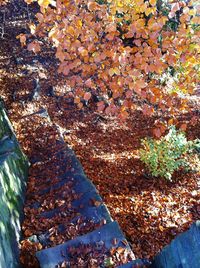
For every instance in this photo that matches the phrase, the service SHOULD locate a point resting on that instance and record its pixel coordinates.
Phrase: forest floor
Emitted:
(151, 212)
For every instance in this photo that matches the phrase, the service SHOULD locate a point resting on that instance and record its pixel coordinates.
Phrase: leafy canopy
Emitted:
(123, 51)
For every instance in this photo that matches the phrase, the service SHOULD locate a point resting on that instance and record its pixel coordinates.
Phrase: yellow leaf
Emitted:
(113, 71)
(153, 2)
(161, 228)
(32, 28)
(44, 3)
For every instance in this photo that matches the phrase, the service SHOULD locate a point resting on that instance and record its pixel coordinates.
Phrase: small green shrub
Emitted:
(170, 153)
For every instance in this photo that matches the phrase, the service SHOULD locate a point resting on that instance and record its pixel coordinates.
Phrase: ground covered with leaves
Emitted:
(151, 212)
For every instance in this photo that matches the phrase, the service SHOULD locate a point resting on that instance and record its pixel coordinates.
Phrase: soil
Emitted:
(150, 211)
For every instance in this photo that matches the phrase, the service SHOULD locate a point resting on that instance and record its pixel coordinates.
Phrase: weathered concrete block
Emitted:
(13, 175)
(183, 251)
(5, 125)
(50, 257)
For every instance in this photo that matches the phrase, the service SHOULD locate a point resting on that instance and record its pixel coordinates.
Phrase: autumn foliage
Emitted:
(123, 52)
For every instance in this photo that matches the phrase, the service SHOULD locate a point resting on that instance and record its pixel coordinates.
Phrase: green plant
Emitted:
(170, 153)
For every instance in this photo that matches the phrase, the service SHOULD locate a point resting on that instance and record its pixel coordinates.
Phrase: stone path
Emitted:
(81, 216)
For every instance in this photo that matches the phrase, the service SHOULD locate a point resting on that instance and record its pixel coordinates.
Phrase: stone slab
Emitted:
(135, 264)
(94, 214)
(49, 258)
(183, 251)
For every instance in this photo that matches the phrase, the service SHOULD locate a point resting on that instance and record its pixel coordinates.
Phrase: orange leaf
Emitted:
(183, 127)
(171, 121)
(77, 100)
(157, 133)
(22, 39)
(93, 6)
(101, 106)
(34, 46)
(80, 105)
(87, 96)
(147, 110)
